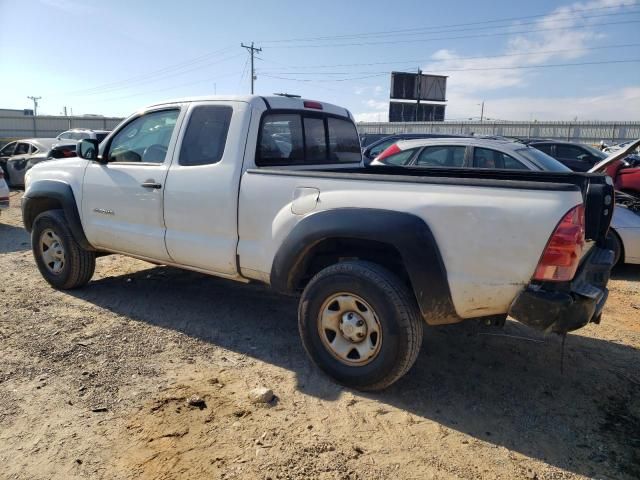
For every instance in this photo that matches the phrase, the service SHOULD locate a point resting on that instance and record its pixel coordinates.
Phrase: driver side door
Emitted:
(122, 197)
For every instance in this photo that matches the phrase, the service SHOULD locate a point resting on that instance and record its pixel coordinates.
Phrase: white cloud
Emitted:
(524, 49)
(70, 6)
(620, 105)
(465, 89)
(377, 105)
(372, 117)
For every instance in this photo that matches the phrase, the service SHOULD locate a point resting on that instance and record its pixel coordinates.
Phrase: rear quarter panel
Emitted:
(490, 238)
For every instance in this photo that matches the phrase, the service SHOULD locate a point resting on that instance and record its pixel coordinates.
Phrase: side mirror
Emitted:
(88, 149)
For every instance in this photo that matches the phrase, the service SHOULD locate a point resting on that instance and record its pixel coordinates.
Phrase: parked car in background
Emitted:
(4, 193)
(367, 139)
(467, 153)
(82, 133)
(581, 158)
(376, 148)
(16, 158)
(615, 148)
(578, 157)
(624, 234)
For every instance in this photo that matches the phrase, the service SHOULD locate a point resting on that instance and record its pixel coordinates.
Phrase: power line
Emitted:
(413, 62)
(207, 80)
(479, 35)
(157, 77)
(421, 29)
(564, 19)
(176, 66)
(377, 74)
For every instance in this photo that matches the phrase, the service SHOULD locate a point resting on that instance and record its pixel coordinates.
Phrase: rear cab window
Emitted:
(306, 138)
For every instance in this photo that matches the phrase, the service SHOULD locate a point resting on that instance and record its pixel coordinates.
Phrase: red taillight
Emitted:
(312, 104)
(560, 259)
(392, 150)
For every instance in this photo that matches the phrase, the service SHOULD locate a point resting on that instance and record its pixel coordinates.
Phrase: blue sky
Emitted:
(113, 56)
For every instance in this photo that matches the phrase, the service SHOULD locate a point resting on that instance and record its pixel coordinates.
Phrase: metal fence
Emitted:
(584, 132)
(46, 126)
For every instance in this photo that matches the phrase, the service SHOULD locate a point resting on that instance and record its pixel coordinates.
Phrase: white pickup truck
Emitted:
(272, 190)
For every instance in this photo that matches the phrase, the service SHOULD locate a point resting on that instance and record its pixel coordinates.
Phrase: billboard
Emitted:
(407, 86)
(406, 112)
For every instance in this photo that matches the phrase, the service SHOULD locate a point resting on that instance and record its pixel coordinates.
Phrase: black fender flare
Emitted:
(407, 233)
(43, 191)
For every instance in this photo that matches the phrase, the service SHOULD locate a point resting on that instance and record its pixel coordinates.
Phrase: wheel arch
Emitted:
(46, 195)
(398, 241)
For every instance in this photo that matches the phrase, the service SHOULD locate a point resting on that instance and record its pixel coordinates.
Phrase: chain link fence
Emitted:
(583, 132)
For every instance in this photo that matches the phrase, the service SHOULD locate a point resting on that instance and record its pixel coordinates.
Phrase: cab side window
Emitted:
(144, 139)
(206, 135)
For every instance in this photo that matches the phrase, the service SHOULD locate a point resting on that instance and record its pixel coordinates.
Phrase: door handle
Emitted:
(151, 184)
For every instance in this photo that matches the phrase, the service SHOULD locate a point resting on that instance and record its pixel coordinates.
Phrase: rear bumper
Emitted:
(563, 307)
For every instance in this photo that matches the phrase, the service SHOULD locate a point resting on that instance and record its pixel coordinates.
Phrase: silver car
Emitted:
(82, 133)
(16, 158)
(624, 237)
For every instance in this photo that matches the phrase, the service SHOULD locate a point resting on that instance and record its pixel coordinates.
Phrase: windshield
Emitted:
(542, 160)
(595, 152)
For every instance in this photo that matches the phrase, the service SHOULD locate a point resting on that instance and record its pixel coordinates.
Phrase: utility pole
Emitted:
(481, 111)
(419, 89)
(35, 104)
(252, 50)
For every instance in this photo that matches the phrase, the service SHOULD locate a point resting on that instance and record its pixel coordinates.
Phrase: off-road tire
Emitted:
(395, 307)
(79, 263)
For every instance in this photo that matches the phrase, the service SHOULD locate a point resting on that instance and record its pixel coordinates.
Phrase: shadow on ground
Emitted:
(13, 239)
(626, 272)
(497, 388)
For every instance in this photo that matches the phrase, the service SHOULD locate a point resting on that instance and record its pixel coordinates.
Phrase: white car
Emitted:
(624, 237)
(273, 190)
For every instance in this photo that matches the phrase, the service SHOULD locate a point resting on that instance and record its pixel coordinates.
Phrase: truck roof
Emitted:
(269, 101)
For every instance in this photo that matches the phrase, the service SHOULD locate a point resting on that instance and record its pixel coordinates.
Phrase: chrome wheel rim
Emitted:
(52, 251)
(350, 329)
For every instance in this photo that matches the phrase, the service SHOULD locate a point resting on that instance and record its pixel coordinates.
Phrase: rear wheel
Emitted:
(61, 261)
(360, 324)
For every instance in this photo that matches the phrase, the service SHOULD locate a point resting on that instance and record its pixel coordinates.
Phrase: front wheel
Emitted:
(61, 261)
(360, 324)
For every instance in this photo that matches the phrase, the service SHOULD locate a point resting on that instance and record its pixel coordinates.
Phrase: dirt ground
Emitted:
(94, 384)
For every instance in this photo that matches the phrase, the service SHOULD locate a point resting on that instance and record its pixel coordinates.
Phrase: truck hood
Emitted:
(623, 152)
